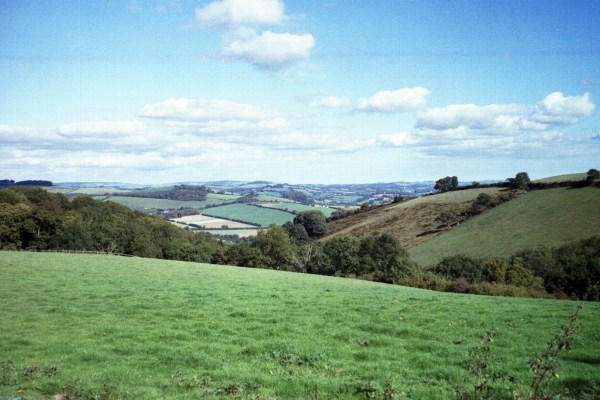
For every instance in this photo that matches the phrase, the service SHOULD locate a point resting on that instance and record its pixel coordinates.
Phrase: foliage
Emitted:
(313, 221)
(460, 266)
(545, 366)
(592, 175)
(342, 254)
(177, 192)
(446, 184)
(33, 219)
(573, 268)
(521, 181)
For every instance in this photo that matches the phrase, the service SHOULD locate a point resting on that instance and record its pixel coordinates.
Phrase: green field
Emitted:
(297, 207)
(80, 326)
(145, 203)
(543, 217)
(250, 214)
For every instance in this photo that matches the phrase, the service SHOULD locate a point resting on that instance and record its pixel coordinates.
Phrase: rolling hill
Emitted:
(81, 326)
(542, 217)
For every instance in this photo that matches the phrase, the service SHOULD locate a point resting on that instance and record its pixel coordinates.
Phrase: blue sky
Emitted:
(300, 91)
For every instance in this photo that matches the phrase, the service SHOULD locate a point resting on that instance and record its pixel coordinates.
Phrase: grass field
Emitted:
(133, 328)
(145, 204)
(297, 207)
(250, 214)
(543, 217)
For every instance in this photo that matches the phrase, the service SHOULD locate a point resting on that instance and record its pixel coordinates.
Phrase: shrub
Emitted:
(427, 280)
(459, 285)
(458, 266)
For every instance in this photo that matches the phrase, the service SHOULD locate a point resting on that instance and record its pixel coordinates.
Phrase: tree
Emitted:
(592, 175)
(342, 254)
(446, 184)
(314, 223)
(275, 247)
(297, 233)
(382, 256)
(521, 181)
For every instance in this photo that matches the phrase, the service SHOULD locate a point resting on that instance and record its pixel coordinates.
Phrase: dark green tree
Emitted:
(313, 221)
(275, 248)
(521, 181)
(383, 258)
(446, 184)
(342, 254)
(592, 175)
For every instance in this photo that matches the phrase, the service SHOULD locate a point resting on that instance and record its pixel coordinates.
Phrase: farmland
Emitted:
(250, 214)
(130, 328)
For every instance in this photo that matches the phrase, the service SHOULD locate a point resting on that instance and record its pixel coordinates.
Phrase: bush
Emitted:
(459, 285)
(427, 280)
(460, 266)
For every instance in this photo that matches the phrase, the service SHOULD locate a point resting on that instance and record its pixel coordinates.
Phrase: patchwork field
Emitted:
(77, 326)
(210, 222)
(145, 204)
(251, 214)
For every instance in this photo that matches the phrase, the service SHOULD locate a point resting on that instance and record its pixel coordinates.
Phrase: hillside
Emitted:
(542, 217)
(410, 222)
(80, 326)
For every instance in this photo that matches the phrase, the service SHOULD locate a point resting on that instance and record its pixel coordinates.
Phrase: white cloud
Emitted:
(214, 116)
(472, 116)
(559, 109)
(554, 110)
(316, 142)
(400, 139)
(240, 13)
(395, 100)
(269, 49)
(93, 128)
(331, 102)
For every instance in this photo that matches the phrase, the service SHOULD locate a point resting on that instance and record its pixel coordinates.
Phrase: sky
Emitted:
(302, 91)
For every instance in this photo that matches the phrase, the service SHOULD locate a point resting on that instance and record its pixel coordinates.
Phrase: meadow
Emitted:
(131, 328)
(145, 203)
(251, 214)
(297, 207)
(548, 217)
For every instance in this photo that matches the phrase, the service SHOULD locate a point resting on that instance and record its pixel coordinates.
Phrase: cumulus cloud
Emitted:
(316, 142)
(247, 42)
(388, 101)
(240, 13)
(269, 49)
(559, 109)
(214, 116)
(331, 102)
(554, 110)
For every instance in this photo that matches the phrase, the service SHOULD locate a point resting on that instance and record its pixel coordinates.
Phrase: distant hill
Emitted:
(541, 217)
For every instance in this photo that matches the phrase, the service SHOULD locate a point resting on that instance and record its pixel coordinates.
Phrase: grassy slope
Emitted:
(545, 217)
(157, 329)
(411, 222)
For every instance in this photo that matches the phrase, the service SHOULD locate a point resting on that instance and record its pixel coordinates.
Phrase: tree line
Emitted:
(177, 192)
(34, 219)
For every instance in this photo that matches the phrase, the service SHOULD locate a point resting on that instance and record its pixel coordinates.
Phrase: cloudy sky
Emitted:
(300, 91)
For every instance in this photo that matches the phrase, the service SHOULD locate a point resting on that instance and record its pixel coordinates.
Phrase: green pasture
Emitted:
(297, 207)
(250, 214)
(543, 217)
(105, 327)
(145, 203)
